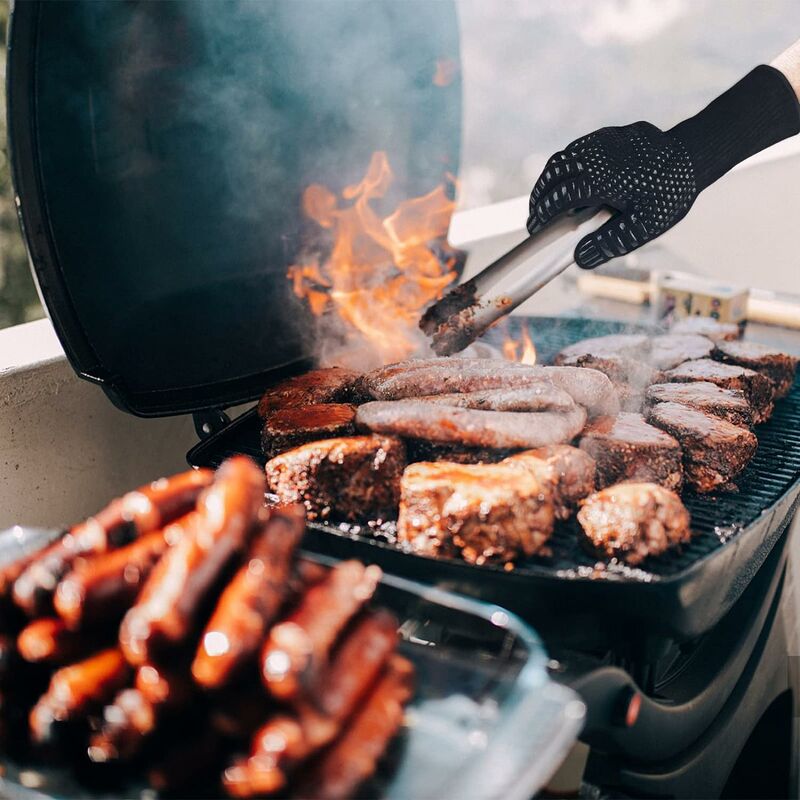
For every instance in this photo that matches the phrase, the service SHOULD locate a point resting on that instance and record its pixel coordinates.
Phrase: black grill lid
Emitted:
(159, 151)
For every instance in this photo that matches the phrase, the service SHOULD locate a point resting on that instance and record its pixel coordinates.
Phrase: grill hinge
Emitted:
(209, 421)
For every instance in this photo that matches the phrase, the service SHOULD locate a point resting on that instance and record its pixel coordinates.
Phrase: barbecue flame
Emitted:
(381, 272)
(522, 350)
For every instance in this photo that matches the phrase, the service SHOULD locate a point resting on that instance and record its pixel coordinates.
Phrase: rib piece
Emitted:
(77, 689)
(103, 587)
(672, 349)
(251, 601)
(166, 612)
(569, 471)
(708, 327)
(326, 385)
(142, 511)
(291, 427)
(49, 641)
(286, 741)
(298, 649)
(354, 757)
(632, 521)
(356, 477)
(625, 447)
(495, 429)
(779, 367)
(728, 404)
(714, 451)
(755, 387)
(483, 512)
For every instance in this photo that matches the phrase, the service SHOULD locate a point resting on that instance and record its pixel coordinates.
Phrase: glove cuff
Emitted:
(758, 111)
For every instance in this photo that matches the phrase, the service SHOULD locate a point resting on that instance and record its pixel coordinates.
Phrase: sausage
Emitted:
(353, 758)
(540, 396)
(495, 429)
(251, 601)
(103, 587)
(285, 741)
(298, 649)
(135, 713)
(136, 513)
(78, 689)
(167, 611)
(49, 641)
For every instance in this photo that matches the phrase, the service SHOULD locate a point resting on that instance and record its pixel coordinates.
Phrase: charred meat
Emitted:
(327, 385)
(667, 352)
(631, 521)
(714, 451)
(779, 367)
(708, 327)
(755, 387)
(627, 448)
(728, 404)
(351, 478)
(569, 471)
(483, 512)
(291, 427)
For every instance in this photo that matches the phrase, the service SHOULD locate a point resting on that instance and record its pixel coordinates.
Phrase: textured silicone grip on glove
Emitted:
(758, 111)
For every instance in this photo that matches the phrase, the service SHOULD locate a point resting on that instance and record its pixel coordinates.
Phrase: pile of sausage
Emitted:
(178, 634)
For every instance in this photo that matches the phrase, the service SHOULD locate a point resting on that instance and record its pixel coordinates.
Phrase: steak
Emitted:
(728, 404)
(714, 451)
(350, 478)
(423, 450)
(467, 426)
(291, 427)
(626, 448)
(480, 512)
(569, 471)
(626, 345)
(755, 387)
(779, 367)
(672, 349)
(327, 385)
(631, 521)
(708, 327)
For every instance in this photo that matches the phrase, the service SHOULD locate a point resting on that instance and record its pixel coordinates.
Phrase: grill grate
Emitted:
(716, 518)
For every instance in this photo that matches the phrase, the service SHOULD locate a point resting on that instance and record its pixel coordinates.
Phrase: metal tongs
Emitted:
(469, 309)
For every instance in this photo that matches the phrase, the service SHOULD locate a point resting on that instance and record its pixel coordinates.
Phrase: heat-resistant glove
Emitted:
(652, 177)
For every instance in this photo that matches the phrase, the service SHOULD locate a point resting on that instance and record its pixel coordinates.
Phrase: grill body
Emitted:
(678, 596)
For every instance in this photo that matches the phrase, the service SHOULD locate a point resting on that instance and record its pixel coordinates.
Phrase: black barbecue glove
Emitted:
(652, 177)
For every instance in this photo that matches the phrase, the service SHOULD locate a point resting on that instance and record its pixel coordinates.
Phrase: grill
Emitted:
(679, 595)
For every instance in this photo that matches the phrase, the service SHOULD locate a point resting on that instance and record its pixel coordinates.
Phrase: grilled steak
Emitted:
(626, 448)
(569, 471)
(708, 327)
(481, 512)
(714, 451)
(328, 385)
(356, 477)
(633, 345)
(755, 387)
(423, 450)
(474, 428)
(779, 367)
(291, 427)
(728, 404)
(666, 352)
(632, 521)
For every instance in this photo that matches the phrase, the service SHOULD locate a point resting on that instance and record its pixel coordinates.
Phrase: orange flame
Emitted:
(381, 272)
(522, 350)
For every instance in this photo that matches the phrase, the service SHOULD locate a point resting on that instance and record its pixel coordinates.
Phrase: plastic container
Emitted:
(485, 722)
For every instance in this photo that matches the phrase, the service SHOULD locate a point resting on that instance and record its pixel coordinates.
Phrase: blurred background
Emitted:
(537, 74)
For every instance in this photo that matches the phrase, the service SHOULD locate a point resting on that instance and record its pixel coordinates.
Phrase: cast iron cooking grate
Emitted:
(716, 518)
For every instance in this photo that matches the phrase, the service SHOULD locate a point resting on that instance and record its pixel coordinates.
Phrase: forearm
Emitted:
(788, 62)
